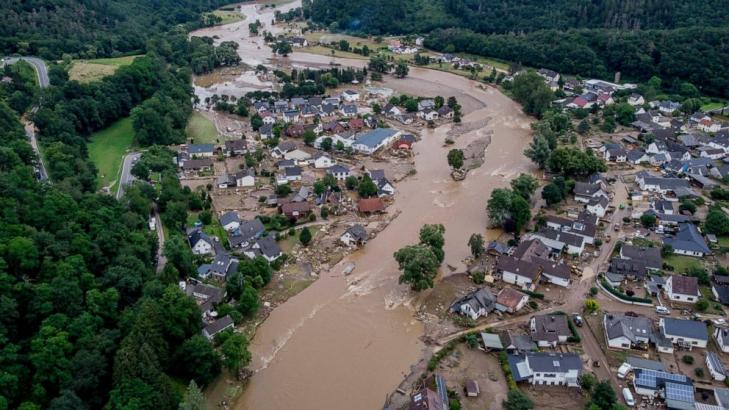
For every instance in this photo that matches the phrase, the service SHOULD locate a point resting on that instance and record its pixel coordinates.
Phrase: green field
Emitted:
(201, 129)
(107, 147)
(91, 70)
(712, 106)
(681, 263)
(228, 16)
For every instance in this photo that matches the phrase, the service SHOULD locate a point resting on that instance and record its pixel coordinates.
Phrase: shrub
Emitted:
(593, 291)
(533, 304)
(622, 295)
(688, 359)
(536, 295)
(699, 372)
(478, 277)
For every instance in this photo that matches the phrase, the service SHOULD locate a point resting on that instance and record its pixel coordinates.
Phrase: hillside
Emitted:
(91, 28)
(675, 40)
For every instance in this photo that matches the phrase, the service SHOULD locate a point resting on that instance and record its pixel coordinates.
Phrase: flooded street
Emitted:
(344, 343)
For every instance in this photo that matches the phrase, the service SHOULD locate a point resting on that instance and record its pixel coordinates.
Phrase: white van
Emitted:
(662, 310)
(623, 370)
(628, 396)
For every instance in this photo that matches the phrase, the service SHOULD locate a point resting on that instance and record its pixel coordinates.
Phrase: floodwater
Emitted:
(345, 342)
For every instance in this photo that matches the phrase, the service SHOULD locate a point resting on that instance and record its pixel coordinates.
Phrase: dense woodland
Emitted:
(687, 40)
(86, 322)
(92, 29)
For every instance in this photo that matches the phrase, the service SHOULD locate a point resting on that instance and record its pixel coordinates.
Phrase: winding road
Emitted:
(41, 71)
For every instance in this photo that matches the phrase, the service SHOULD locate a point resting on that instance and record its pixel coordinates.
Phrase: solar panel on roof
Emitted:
(679, 392)
(648, 378)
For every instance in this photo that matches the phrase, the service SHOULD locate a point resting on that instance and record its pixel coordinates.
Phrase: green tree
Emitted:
(591, 306)
(178, 254)
(196, 359)
(476, 244)
(455, 158)
(432, 235)
(351, 182)
(583, 127)
(366, 188)
(499, 206)
(531, 91)
(524, 185)
(305, 236)
(648, 220)
(419, 266)
(539, 151)
(401, 69)
(716, 221)
(603, 395)
(193, 398)
(552, 194)
(309, 138)
(378, 64)
(257, 270)
(235, 352)
(516, 400)
(587, 382)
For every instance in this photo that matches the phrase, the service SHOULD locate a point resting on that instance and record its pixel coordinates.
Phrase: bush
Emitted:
(622, 295)
(593, 291)
(536, 295)
(699, 372)
(504, 361)
(478, 277)
(533, 304)
(688, 359)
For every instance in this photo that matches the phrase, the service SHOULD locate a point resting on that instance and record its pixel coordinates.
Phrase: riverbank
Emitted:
(345, 342)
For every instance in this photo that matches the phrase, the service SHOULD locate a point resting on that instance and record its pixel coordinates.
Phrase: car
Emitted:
(662, 310)
(623, 370)
(628, 396)
(719, 322)
(577, 319)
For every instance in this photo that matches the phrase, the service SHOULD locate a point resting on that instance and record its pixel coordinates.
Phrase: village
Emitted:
(618, 280)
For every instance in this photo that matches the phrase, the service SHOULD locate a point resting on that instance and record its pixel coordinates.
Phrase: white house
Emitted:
(716, 367)
(370, 142)
(478, 303)
(200, 242)
(518, 272)
(301, 157)
(549, 330)
(598, 206)
(428, 114)
(550, 369)
(230, 221)
(682, 289)
(339, 172)
(355, 235)
(721, 335)
(511, 300)
(559, 241)
(636, 99)
(350, 96)
(685, 333)
(627, 331)
(323, 161)
(245, 178)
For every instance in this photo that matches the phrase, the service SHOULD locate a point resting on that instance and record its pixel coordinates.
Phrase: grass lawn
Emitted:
(712, 106)
(201, 129)
(681, 263)
(91, 70)
(228, 15)
(107, 147)
(288, 243)
(723, 241)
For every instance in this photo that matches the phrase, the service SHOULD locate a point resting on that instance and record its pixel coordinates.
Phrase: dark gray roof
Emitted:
(552, 268)
(629, 267)
(358, 232)
(723, 292)
(685, 328)
(716, 363)
(200, 148)
(478, 299)
(685, 285)
(640, 363)
(564, 237)
(585, 189)
(543, 362)
(229, 217)
(292, 171)
(650, 256)
(219, 325)
(630, 327)
(688, 238)
(269, 247)
(518, 267)
(338, 169)
(550, 327)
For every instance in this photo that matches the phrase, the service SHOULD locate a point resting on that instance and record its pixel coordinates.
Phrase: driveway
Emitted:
(126, 177)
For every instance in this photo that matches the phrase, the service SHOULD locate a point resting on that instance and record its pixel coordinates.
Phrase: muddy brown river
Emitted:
(345, 342)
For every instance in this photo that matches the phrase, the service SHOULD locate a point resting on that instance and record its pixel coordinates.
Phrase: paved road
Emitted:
(42, 72)
(161, 259)
(126, 177)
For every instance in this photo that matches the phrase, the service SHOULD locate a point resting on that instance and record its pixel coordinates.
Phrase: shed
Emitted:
(491, 341)
(471, 388)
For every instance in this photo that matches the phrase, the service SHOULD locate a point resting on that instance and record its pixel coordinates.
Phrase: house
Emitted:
(282, 148)
(355, 235)
(340, 172)
(406, 118)
(518, 272)
(712, 153)
(554, 272)
(265, 132)
(683, 332)
(224, 323)
(550, 369)
(445, 112)
(633, 269)
(636, 99)
(230, 221)
(206, 296)
(298, 41)
(651, 257)
(598, 206)
(721, 335)
(676, 389)
(295, 131)
(428, 114)
(549, 330)
(426, 104)
(296, 210)
(517, 343)
(266, 247)
(427, 399)
(246, 233)
(199, 150)
(356, 124)
(322, 161)
(291, 116)
(668, 107)
(222, 266)
(496, 248)
(688, 241)
(682, 288)
(709, 125)
(349, 110)
(392, 111)
(616, 155)
(370, 142)
(225, 181)
(637, 156)
(268, 118)
(559, 241)
(721, 293)
(548, 74)
(584, 192)
(291, 174)
(200, 242)
(370, 205)
(511, 300)
(584, 226)
(716, 368)
(476, 304)
(627, 331)
(350, 96)
(384, 187)
(660, 184)
(236, 147)
(245, 178)
(197, 165)
(300, 156)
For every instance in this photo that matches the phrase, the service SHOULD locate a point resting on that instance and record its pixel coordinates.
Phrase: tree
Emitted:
(326, 143)
(257, 270)
(282, 48)
(531, 91)
(196, 359)
(193, 398)
(235, 352)
(248, 301)
(476, 243)
(583, 127)
(524, 185)
(591, 306)
(648, 220)
(687, 205)
(702, 304)
(539, 151)
(256, 122)
(716, 221)
(603, 395)
(571, 161)
(552, 194)
(432, 235)
(178, 254)
(520, 212)
(419, 266)
(499, 206)
(516, 400)
(283, 190)
(351, 182)
(587, 382)
(455, 158)
(366, 188)
(305, 236)
(309, 138)
(401, 69)
(378, 64)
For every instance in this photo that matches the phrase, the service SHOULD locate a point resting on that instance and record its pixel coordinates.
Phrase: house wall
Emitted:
(596, 210)
(715, 374)
(688, 253)
(555, 379)
(619, 343)
(518, 280)
(724, 348)
(693, 342)
(557, 281)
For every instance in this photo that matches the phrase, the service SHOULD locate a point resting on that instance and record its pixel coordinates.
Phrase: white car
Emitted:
(623, 370)
(662, 310)
(628, 396)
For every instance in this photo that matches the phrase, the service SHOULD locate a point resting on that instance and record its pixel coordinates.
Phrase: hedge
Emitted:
(533, 294)
(622, 295)
(503, 359)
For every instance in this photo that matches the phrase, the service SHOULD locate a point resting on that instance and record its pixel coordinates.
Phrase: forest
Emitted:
(94, 29)
(675, 40)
